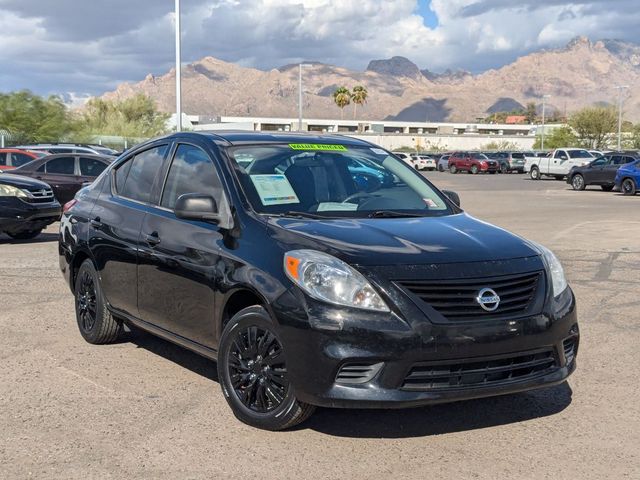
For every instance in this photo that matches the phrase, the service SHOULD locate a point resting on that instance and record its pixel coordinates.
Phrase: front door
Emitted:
(179, 258)
(60, 173)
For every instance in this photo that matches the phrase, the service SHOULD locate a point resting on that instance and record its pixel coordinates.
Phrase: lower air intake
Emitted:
(354, 373)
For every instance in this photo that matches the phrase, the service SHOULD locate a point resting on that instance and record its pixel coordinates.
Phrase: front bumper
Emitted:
(18, 216)
(337, 338)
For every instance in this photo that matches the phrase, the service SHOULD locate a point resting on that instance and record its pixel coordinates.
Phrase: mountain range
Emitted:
(581, 74)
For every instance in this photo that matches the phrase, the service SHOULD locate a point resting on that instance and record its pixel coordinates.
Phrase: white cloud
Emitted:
(77, 45)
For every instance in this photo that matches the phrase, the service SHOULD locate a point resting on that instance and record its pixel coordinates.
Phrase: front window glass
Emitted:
(579, 154)
(141, 174)
(599, 162)
(333, 181)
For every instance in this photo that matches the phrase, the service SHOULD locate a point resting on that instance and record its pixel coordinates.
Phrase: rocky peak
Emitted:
(578, 42)
(395, 67)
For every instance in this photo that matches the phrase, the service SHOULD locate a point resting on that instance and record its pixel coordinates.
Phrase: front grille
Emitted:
(351, 373)
(457, 299)
(479, 372)
(40, 195)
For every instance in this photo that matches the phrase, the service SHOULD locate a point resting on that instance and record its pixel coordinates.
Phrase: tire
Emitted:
(28, 235)
(504, 168)
(607, 188)
(440, 168)
(453, 169)
(279, 410)
(577, 182)
(95, 322)
(628, 187)
(474, 169)
(534, 173)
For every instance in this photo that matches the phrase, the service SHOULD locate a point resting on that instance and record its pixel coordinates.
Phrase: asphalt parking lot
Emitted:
(144, 408)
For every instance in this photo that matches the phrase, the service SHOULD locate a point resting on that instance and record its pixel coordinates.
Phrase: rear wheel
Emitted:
(628, 187)
(25, 235)
(474, 169)
(453, 169)
(95, 322)
(577, 182)
(504, 168)
(253, 374)
(534, 173)
(606, 188)
(441, 168)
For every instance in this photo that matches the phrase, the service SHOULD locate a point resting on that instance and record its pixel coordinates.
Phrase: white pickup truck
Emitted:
(557, 164)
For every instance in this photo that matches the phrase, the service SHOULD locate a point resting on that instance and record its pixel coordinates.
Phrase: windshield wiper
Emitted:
(392, 214)
(294, 213)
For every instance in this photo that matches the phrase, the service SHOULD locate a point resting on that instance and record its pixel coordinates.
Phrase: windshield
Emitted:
(333, 181)
(579, 154)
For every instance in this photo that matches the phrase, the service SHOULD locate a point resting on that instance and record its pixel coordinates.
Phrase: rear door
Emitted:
(178, 258)
(116, 220)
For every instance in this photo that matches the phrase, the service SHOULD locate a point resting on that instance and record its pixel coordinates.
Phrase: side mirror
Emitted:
(453, 196)
(196, 206)
(563, 157)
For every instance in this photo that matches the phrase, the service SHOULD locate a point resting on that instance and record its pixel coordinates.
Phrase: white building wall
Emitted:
(446, 142)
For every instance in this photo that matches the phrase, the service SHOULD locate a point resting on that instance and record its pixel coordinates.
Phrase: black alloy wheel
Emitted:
(252, 371)
(86, 302)
(257, 369)
(628, 187)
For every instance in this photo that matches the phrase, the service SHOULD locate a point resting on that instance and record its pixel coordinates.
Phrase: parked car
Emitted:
(443, 162)
(11, 158)
(70, 148)
(509, 161)
(423, 162)
(628, 178)
(27, 206)
(306, 290)
(558, 163)
(65, 173)
(601, 171)
(472, 162)
(363, 171)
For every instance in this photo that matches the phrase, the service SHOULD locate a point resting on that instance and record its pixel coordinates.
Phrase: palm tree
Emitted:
(358, 97)
(342, 97)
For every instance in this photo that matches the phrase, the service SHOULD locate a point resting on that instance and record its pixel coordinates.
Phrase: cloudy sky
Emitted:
(89, 46)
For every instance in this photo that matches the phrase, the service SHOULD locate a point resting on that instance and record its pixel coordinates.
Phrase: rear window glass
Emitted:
(142, 173)
(61, 166)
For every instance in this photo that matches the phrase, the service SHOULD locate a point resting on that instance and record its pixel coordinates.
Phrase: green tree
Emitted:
(342, 98)
(530, 112)
(632, 141)
(557, 137)
(359, 96)
(136, 116)
(31, 118)
(500, 145)
(594, 125)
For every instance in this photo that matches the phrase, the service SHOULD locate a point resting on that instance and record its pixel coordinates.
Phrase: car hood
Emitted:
(21, 182)
(456, 238)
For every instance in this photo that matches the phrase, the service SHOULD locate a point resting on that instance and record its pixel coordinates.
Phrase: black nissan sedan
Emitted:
(308, 286)
(27, 206)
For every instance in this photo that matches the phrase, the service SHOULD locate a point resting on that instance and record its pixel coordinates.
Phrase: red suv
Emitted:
(472, 162)
(11, 158)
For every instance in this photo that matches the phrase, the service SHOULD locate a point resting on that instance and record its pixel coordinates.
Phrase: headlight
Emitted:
(11, 191)
(555, 270)
(331, 280)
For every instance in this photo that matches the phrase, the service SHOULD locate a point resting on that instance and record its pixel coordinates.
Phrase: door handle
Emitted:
(95, 222)
(152, 239)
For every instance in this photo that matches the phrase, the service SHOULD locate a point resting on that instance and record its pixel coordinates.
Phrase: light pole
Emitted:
(544, 97)
(300, 66)
(178, 73)
(620, 88)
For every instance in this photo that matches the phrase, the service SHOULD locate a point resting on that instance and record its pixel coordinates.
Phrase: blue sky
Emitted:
(88, 47)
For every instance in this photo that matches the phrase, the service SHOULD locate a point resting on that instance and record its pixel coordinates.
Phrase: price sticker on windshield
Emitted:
(317, 146)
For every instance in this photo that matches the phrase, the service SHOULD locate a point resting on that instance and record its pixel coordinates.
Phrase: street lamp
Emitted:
(300, 66)
(178, 68)
(620, 88)
(544, 97)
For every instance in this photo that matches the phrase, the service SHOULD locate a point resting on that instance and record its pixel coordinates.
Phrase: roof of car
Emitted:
(245, 137)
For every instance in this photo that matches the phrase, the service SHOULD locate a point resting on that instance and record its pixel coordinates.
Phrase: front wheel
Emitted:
(474, 169)
(534, 173)
(577, 182)
(628, 187)
(453, 169)
(252, 370)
